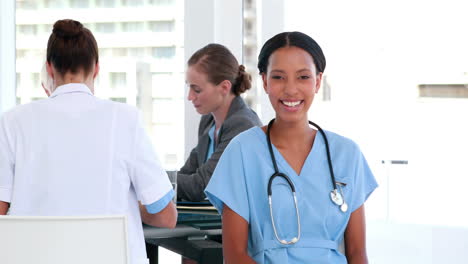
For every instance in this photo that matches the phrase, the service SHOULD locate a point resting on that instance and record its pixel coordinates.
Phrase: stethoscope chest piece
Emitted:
(336, 197)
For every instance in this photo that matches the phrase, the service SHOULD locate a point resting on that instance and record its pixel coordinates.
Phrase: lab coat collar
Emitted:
(71, 88)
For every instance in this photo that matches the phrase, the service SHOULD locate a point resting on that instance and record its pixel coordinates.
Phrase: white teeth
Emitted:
(291, 104)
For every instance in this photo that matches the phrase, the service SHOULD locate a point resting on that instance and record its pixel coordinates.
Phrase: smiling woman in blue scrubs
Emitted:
(291, 65)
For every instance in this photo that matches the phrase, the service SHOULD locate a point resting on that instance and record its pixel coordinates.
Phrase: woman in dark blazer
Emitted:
(215, 81)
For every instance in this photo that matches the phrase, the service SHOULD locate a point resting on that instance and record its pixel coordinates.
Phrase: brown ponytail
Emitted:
(243, 81)
(72, 47)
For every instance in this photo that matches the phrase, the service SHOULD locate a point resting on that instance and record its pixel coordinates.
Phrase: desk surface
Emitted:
(181, 230)
(186, 239)
(189, 224)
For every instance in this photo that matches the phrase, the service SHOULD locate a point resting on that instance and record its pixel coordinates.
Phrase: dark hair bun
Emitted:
(243, 81)
(72, 47)
(67, 28)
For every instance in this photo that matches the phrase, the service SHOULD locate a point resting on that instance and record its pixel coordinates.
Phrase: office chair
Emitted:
(57, 239)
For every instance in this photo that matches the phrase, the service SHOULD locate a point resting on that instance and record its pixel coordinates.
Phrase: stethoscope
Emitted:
(336, 197)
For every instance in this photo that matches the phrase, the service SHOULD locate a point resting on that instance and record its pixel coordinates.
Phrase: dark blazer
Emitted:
(194, 176)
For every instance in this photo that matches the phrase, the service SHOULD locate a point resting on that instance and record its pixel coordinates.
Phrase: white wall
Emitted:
(271, 17)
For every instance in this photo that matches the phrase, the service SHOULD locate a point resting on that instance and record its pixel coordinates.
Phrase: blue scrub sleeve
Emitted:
(364, 182)
(227, 185)
(157, 206)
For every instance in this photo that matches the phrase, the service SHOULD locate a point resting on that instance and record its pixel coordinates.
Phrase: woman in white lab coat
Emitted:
(75, 154)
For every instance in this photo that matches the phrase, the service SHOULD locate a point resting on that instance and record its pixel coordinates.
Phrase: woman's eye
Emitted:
(304, 77)
(276, 77)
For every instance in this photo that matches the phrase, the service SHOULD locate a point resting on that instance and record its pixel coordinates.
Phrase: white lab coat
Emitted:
(75, 154)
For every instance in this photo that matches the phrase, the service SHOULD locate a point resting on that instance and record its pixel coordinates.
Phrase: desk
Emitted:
(197, 240)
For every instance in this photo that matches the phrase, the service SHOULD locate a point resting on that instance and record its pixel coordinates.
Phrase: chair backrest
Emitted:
(71, 240)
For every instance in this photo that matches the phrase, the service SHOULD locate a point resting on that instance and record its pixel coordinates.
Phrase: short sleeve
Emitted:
(228, 183)
(148, 177)
(160, 204)
(6, 164)
(364, 182)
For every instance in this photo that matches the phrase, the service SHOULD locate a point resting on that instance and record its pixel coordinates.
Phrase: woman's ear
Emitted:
(50, 70)
(225, 87)
(264, 82)
(318, 81)
(96, 70)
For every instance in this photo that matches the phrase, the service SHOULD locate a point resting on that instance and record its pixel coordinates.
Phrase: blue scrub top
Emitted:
(240, 181)
(211, 146)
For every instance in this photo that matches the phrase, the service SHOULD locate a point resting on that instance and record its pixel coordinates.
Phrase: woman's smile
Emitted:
(292, 105)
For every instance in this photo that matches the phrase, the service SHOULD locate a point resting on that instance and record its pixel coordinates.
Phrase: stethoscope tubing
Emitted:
(275, 165)
(336, 197)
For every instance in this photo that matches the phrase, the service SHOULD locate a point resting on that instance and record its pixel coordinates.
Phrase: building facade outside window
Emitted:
(134, 38)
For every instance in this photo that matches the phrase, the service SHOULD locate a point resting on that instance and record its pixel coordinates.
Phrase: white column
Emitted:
(209, 21)
(270, 15)
(272, 18)
(7, 55)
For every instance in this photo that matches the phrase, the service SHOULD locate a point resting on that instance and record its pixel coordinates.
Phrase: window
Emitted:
(164, 52)
(326, 89)
(162, 80)
(249, 25)
(133, 26)
(105, 3)
(51, 4)
(118, 80)
(27, 4)
(18, 80)
(249, 52)
(33, 53)
(132, 3)
(36, 79)
(161, 106)
(162, 2)
(105, 27)
(253, 96)
(89, 26)
(443, 90)
(119, 99)
(105, 52)
(79, 3)
(161, 26)
(120, 55)
(45, 29)
(250, 4)
(119, 52)
(27, 29)
(137, 52)
(20, 53)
